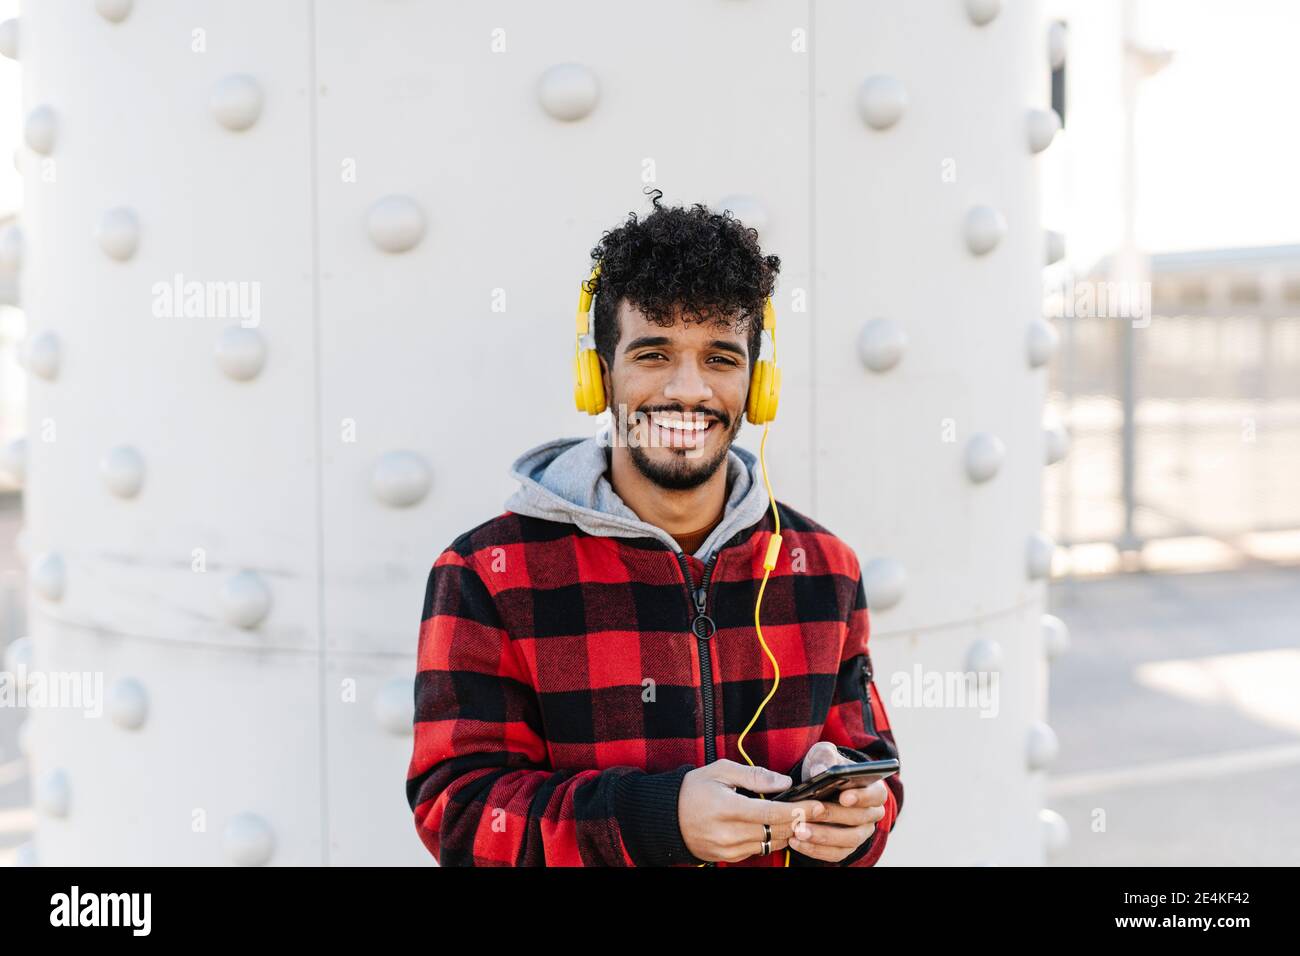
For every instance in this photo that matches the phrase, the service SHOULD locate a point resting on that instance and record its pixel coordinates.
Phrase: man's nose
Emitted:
(687, 385)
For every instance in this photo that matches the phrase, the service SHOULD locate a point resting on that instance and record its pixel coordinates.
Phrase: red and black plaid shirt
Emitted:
(562, 694)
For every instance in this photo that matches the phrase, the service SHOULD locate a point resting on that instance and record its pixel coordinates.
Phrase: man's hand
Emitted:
(719, 824)
(849, 821)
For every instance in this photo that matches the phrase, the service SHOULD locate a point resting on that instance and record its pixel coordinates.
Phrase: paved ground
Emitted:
(1178, 715)
(1176, 708)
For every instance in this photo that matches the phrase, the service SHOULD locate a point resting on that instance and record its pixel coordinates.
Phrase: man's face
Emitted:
(682, 390)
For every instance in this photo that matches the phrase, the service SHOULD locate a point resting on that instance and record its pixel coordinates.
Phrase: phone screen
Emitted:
(830, 782)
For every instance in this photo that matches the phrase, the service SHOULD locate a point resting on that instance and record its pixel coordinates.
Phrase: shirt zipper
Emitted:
(703, 627)
(868, 717)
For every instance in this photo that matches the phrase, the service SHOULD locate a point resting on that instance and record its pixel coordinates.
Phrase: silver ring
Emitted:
(767, 839)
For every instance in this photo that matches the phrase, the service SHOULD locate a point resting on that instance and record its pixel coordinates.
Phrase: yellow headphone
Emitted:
(589, 388)
(760, 409)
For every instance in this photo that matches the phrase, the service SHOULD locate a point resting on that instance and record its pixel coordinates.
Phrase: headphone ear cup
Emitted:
(764, 389)
(579, 393)
(773, 395)
(753, 406)
(588, 389)
(597, 383)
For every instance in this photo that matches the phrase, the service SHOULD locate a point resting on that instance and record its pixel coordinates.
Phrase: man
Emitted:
(588, 660)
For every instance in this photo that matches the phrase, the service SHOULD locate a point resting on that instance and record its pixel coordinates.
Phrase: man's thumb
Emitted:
(763, 780)
(754, 779)
(779, 781)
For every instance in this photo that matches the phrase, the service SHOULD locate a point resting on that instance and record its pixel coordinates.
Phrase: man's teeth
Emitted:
(679, 425)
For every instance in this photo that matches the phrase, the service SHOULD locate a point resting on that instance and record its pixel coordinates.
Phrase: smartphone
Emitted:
(830, 782)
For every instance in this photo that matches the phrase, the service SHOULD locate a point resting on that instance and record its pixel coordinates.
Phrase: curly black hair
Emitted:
(706, 265)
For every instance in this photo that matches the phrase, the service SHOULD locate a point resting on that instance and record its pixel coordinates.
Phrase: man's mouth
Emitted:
(677, 430)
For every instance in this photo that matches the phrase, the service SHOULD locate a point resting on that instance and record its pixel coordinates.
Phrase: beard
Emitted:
(681, 472)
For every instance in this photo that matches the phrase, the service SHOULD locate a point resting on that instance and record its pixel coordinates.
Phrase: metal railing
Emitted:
(1215, 414)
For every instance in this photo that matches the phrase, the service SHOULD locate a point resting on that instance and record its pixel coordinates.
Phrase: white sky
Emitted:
(1219, 128)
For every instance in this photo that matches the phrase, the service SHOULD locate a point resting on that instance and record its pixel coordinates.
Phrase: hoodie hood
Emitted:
(567, 480)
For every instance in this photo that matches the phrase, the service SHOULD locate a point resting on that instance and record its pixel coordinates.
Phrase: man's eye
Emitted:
(722, 358)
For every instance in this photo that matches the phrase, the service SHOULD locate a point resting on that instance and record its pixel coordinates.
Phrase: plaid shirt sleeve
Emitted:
(858, 725)
(479, 782)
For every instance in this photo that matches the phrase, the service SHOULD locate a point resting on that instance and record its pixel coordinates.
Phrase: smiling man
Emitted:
(591, 688)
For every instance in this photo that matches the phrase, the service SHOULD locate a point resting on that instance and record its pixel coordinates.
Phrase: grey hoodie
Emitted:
(565, 480)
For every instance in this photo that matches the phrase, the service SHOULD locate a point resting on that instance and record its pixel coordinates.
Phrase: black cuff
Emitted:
(799, 859)
(863, 850)
(645, 807)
